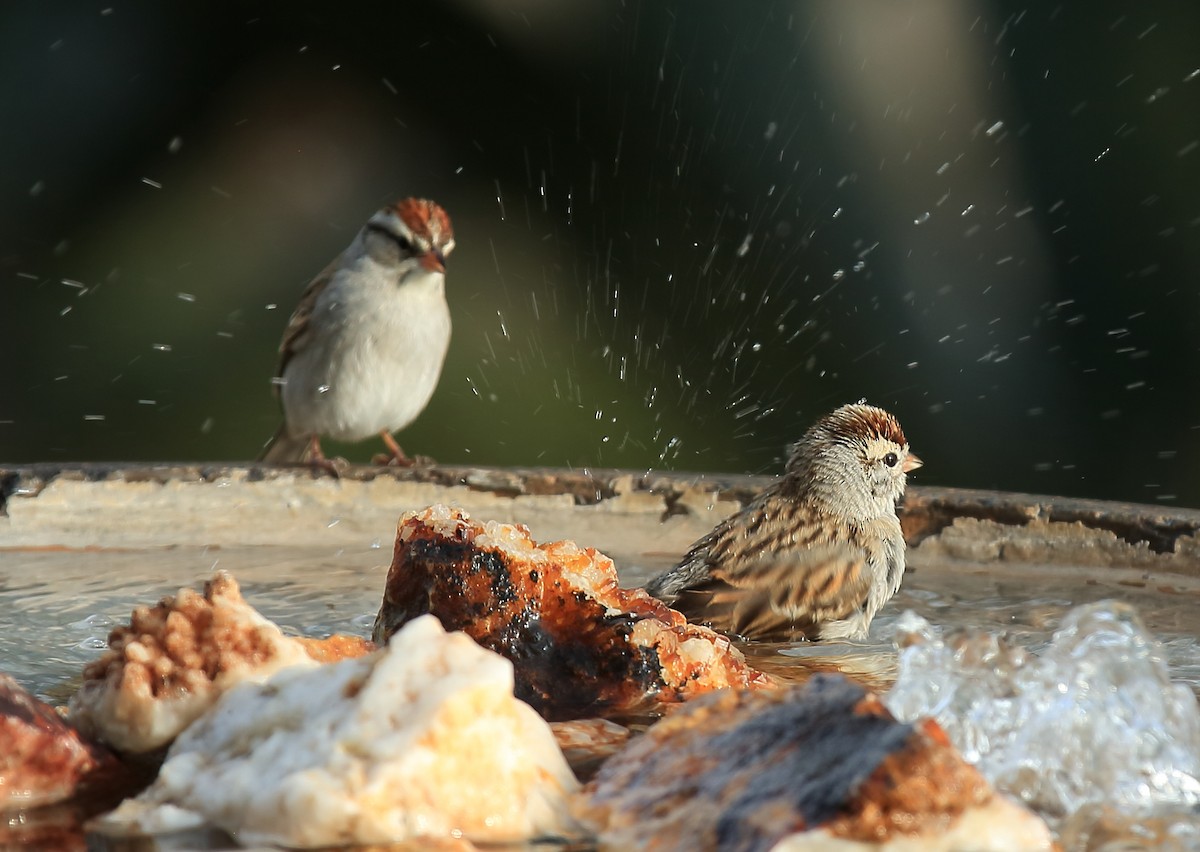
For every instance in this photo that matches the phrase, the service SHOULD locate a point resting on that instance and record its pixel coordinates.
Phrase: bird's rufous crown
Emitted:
(861, 422)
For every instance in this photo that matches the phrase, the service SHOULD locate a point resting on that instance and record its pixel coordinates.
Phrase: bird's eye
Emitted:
(891, 459)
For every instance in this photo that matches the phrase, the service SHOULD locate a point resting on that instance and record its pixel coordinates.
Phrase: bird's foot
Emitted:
(336, 467)
(389, 460)
(396, 457)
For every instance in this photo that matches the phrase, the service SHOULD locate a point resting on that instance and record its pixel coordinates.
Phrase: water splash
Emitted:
(1091, 721)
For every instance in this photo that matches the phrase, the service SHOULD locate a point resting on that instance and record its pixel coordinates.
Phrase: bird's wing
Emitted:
(778, 572)
(791, 592)
(297, 333)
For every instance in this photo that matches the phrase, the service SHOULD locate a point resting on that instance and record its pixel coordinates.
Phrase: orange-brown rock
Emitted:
(820, 763)
(587, 743)
(581, 645)
(337, 647)
(43, 760)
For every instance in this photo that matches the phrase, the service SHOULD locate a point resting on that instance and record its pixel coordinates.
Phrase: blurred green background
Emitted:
(685, 229)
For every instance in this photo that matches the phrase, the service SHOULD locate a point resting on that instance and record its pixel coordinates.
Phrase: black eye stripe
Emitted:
(399, 240)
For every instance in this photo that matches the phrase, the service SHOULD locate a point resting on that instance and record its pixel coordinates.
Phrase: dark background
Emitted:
(685, 229)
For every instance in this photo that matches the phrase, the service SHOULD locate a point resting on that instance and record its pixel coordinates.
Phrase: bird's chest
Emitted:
(381, 324)
(374, 357)
(886, 543)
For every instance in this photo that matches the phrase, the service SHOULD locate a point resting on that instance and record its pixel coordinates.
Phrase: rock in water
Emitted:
(422, 739)
(822, 766)
(173, 660)
(43, 760)
(582, 646)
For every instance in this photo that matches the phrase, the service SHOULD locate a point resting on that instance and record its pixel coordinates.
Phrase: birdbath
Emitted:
(86, 543)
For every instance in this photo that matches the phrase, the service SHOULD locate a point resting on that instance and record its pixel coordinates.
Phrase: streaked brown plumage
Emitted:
(819, 552)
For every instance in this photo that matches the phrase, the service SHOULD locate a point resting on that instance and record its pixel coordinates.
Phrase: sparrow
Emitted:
(364, 349)
(816, 554)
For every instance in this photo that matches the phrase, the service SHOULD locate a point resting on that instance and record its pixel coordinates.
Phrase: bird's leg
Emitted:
(398, 456)
(317, 459)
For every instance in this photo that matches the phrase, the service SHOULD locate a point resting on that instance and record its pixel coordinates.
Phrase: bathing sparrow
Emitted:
(364, 349)
(818, 552)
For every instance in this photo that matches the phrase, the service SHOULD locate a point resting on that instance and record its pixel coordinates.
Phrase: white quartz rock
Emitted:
(420, 739)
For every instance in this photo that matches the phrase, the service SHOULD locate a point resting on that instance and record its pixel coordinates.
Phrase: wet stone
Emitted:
(43, 760)
(587, 743)
(582, 647)
(172, 662)
(421, 741)
(800, 765)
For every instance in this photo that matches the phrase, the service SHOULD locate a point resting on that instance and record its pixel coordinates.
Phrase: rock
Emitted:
(819, 766)
(174, 660)
(582, 646)
(337, 647)
(43, 760)
(422, 739)
(587, 743)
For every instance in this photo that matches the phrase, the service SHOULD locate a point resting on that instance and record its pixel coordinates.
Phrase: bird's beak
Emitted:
(434, 261)
(911, 462)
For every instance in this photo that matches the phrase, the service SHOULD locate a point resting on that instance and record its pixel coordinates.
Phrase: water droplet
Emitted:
(1157, 94)
(96, 621)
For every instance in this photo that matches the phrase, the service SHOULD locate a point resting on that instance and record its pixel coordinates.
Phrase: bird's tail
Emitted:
(285, 448)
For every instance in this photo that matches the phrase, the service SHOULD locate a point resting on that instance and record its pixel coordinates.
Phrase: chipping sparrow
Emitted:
(363, 352)
(818, 552)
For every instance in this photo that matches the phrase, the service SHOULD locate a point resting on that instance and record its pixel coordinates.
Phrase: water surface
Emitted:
(60, 605)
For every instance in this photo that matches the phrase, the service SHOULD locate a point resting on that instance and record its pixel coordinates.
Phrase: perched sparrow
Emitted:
(819, 552)
(363, 352)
